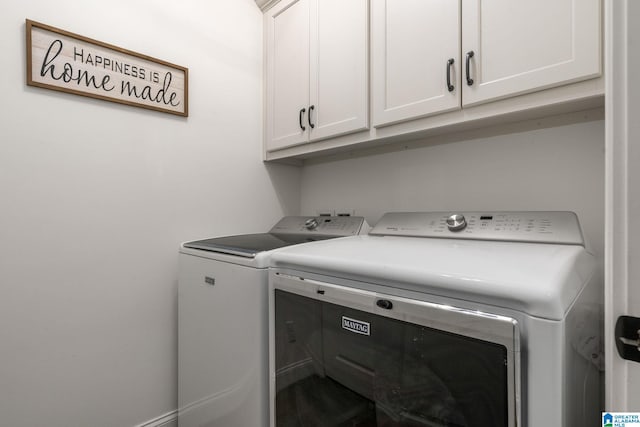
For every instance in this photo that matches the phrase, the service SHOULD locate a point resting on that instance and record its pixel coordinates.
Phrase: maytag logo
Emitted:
(357, 326)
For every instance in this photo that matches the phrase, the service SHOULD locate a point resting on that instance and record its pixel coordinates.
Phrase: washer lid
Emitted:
(290, 230)
(249, 245)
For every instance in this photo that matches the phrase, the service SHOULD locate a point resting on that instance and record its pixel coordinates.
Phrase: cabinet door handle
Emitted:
(469, 56)
(449, 85)
(309, 116)
(300, 119)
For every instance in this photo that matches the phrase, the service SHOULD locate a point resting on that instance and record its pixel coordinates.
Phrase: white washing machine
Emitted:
(222, 320)
(480, 319)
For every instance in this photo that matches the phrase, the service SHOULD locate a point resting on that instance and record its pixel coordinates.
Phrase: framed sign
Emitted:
(66, 62)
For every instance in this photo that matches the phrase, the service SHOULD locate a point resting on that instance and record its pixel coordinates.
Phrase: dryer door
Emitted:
(349, 357)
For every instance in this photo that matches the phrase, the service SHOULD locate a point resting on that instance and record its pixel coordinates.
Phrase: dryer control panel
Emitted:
(537, 226)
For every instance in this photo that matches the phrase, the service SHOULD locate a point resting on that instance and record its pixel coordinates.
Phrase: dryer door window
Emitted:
(337, 365)
(305, 394)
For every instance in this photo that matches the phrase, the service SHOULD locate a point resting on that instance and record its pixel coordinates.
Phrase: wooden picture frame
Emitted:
(67, 62)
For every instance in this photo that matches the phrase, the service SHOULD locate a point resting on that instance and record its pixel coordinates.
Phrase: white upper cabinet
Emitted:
(317, 70)
(415, 58)
(339, 67)
(436, 66)
(500, 49)
(521, 46)
(287, 73)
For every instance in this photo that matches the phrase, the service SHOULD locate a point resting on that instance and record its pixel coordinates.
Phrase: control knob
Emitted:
(456, 222)
(311, 224)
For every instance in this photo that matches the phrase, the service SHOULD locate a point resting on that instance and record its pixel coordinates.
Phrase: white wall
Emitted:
(95, 198)
(557, 168)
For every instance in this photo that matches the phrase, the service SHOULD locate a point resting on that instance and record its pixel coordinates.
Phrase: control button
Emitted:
(311, 224)
(384, 303)
(456, 222)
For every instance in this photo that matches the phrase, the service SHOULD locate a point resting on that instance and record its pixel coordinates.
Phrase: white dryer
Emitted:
(222, 320)
(481, 319)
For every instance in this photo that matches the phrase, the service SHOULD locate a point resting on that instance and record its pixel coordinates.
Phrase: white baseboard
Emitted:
(170, 419)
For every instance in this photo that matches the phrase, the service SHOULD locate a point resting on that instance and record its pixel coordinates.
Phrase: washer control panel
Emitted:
(541, 227)
(321, 225)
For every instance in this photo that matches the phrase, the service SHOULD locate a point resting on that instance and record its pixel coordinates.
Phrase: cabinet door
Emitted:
(521, 46)
(412, 42)
(339, 101)
(287, 45)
